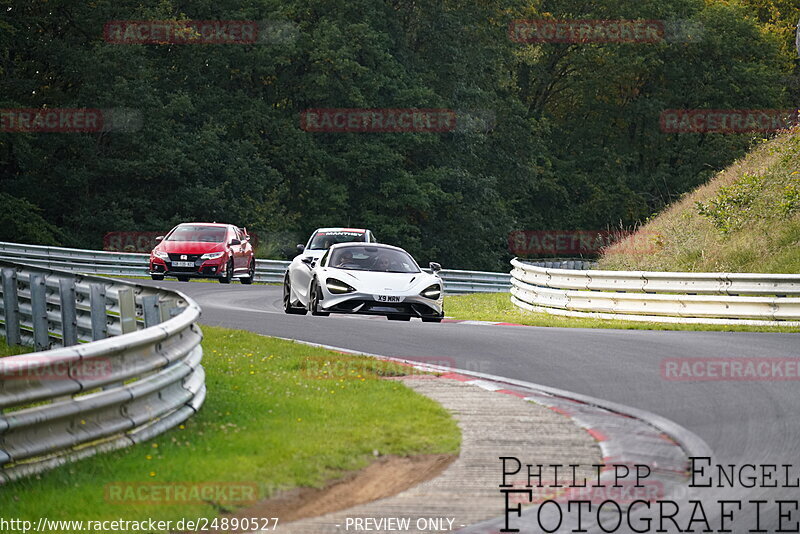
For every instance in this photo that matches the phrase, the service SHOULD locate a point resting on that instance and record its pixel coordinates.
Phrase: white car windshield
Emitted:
(324, 240)
(368, 258)
(203, 234)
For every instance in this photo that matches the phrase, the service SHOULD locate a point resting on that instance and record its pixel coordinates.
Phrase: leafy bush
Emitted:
(790, 201)
(21, 222)
(731, 207)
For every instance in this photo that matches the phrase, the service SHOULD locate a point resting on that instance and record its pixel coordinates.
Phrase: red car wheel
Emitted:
(251, 273)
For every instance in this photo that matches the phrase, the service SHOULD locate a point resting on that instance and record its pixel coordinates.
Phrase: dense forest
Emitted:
(561, 136)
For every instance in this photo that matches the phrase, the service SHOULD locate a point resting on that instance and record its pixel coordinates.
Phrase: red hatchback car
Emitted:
(204, 250)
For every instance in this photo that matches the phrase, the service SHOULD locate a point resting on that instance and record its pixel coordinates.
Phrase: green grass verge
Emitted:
(279, 414)
(498, 307)
(5, 350)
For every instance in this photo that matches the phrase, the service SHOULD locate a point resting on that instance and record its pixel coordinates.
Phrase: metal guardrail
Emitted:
(714, 298)
(110, 263)
(125, 367)
(580, 265)
(468, 282)
(135, 264)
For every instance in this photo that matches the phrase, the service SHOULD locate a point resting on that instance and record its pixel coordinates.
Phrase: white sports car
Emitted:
(321, 240)
(298, 275)
(366, 278)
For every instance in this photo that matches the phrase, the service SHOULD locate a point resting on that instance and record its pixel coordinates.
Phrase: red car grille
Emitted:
(180, 257)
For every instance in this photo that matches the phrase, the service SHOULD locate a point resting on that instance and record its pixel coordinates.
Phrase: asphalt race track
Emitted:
(744, 422)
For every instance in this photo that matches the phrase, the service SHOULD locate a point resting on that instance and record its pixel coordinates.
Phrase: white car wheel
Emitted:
(314, 301)
(287, 299)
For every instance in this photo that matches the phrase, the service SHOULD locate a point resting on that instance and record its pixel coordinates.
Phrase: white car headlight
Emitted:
(432, 292)
(212, 255)
(159, 254)
(337, 287)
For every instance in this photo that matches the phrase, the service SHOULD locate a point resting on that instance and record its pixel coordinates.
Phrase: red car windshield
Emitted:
(202, 234)
(324, 240)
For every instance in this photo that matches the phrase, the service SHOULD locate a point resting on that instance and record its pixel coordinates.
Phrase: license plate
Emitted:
(183, 264)
(388, 298)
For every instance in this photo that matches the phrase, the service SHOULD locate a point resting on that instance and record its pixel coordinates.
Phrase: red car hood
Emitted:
(189, 247)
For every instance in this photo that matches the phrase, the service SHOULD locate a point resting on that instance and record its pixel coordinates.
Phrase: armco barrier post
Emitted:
(98, 305)
(69, 317)
(150, 311)
(127, 310)
(165, 307)
(41, 336)
(11, 307)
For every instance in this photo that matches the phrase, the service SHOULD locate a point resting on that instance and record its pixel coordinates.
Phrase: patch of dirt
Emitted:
(387, 476)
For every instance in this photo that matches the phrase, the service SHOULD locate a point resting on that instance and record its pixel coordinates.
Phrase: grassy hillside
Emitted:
(745, 219)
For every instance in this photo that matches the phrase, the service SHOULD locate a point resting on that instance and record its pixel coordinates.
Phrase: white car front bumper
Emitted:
(410, 303)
